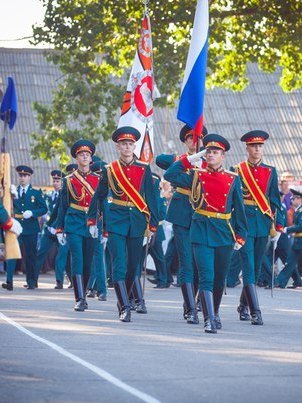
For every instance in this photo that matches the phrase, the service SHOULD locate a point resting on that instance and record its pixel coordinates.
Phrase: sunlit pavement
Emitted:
(157, 354)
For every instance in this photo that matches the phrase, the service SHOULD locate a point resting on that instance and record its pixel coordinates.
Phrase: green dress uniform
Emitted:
(180, 214)
(295, 252)
(77, 192)
(132, 210)
(156, 246)
(32, 200)
(281, 252)
(262, 208)
(97, 280)
(217, 223)
(48, 239)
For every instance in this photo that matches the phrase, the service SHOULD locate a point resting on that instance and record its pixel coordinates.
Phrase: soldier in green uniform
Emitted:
(133, 209)
(97, 280)
(180, 214)
(218, 223)
(48, 238)
(71, 224)
(29, 205)
(263, 210)
(295, 253)
(156, 247)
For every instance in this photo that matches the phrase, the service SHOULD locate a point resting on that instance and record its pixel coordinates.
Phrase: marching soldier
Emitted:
(133, 210)
(156, 247)
(218, 223)
(48, 239)
(77, 192)
(29, 205)
(295, 252)
(262, 207)
(180, 215)
(97, 280)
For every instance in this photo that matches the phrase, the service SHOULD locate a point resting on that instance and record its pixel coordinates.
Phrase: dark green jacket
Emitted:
(35, 202)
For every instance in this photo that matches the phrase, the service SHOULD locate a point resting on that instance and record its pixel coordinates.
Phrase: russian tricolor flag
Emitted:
(190, 109)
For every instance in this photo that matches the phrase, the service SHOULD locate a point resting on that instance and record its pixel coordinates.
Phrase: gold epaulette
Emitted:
(230, 172)
(142, 162)
(198, 169)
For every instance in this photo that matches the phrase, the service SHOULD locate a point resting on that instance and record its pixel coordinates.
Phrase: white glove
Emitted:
(13, 191)
(27, 214)
(16, 227)
(94, 232)
(275, 239)
(285, 230)
(104, 240)
(237, 246)
(61, 238)
(52, 230)
(196, 157)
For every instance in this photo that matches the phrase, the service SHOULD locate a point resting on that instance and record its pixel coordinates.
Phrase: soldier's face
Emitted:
(296, 201)
(189, 143)
(255, 151)
(83, 158)
(24, 179)
(125, 148)
(57, 183)
(214, 157)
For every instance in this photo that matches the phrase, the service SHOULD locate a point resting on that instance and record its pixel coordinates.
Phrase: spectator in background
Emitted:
(286, 193)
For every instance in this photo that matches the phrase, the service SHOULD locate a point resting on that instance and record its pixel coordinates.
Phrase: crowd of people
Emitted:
(220, 227)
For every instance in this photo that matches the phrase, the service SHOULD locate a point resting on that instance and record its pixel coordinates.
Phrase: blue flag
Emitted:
(8, 109)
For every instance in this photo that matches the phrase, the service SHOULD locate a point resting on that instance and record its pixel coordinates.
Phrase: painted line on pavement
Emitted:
(98, 371)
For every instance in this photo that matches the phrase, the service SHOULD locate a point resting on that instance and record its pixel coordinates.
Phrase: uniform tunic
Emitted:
(218, 221)
(180, 214)
(33, 200)
(259, 224)
(124, 222)
(77, 192)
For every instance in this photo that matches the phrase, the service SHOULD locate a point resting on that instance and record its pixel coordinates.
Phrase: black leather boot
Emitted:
(137, 291)
(242, 308)
(8, 286)
(80, 304)
(252, 299)
(59, 285)
(122, 301)
(208, 311)
(189, 303)
(217, 296)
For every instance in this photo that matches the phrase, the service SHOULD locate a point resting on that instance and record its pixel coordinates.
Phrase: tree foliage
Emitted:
(94, 43)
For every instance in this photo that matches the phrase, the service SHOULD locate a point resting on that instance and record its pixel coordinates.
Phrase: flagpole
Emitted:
(146, 2)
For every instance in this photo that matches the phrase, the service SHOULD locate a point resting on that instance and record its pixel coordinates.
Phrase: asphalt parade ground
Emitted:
(50, 353)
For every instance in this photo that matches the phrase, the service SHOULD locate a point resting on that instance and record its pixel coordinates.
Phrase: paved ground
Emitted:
(49, 353)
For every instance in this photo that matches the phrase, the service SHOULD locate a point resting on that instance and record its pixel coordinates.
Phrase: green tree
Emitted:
(94, 44)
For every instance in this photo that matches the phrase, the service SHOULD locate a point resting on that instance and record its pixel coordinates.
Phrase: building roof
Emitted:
(263, 105)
